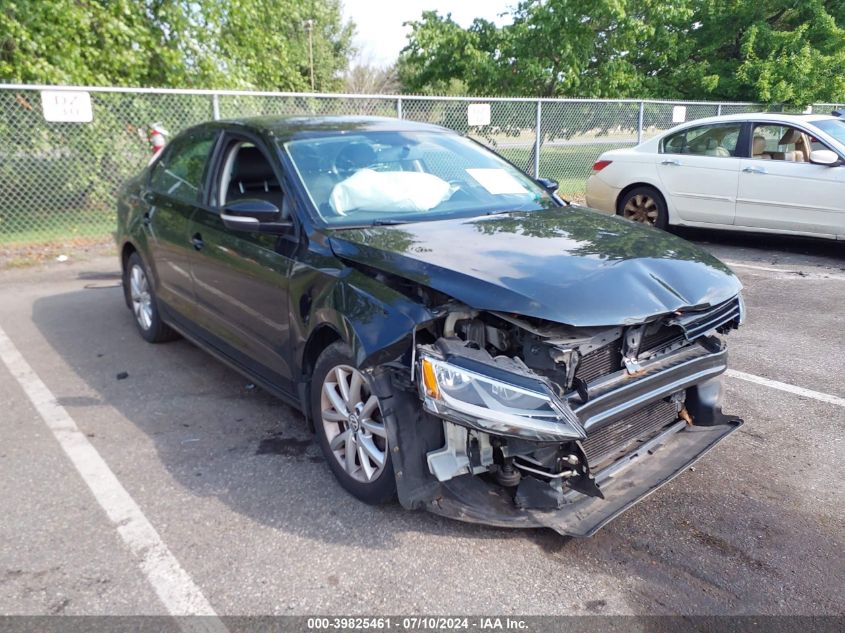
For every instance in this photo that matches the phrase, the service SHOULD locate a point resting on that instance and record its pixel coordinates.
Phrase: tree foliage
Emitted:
(774, 51)
(249, 44)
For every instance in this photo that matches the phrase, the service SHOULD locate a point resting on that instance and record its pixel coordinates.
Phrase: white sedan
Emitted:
(774, 173)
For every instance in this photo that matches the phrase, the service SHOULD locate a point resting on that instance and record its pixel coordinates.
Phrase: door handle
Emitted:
(197, 242)
(754, 170)
(671, 161)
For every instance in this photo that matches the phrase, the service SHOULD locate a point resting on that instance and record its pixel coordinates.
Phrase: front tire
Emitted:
(644, 205)
(350, 428)
(138, 288)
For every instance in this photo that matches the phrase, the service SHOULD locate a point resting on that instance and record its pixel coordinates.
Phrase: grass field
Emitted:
(570, 165)
(18, 228)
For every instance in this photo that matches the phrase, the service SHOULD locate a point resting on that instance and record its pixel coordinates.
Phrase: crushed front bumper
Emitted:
(624, 483)
(415, 434)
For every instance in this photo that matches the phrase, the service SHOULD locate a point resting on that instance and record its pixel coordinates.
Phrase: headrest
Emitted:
(251, 166)
(758, 146)
(791, 137)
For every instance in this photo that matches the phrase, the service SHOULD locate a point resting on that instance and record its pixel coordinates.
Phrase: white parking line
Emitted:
(782, 386)
(172, 584)
(798, 274)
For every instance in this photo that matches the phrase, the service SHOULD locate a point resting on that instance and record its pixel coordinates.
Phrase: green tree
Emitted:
(255, 44)
(84, 42)
(263, 44)
(774, 51)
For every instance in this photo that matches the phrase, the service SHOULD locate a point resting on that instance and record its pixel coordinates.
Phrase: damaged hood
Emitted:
(567, 265)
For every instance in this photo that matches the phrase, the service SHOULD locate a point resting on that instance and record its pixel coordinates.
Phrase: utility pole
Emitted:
(309, 26)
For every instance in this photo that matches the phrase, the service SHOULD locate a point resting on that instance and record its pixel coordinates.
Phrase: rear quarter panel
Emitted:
(628, 167)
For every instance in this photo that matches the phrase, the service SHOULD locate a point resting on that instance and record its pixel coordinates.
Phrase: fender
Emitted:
(376, 321)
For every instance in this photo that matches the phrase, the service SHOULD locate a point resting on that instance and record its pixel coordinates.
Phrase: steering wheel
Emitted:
(353, 157)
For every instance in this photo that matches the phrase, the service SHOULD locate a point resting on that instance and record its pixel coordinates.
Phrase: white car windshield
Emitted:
(385, 177)
(833, 127)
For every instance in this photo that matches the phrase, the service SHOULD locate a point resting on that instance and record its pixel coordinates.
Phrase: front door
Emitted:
(173, 192)
(780, 189)
(699, 169)
(241, 279)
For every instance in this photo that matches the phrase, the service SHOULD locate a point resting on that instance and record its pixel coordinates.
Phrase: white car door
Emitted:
(780, 189)
(699, 170)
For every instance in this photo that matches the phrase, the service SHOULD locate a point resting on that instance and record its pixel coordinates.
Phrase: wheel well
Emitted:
(126, 253)
(319, 340)
(633, 186)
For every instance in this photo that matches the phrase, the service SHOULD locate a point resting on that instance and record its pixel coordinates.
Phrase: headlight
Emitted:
(509, 404)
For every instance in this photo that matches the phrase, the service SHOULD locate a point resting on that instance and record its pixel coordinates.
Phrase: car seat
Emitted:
(253, 177)
(758, 147)
(714, 149)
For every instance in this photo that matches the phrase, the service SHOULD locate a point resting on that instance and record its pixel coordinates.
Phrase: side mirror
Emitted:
(254, 215)
(548, 184)
(825, 157)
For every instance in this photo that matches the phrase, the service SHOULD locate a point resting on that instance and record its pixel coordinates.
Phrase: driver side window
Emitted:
(781, 142)
(248, 174)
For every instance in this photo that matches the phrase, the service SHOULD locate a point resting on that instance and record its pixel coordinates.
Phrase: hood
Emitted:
(568, 265)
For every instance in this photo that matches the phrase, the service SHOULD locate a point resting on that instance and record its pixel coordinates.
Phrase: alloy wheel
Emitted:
(641, 208)
(353, 424)
(139, 292)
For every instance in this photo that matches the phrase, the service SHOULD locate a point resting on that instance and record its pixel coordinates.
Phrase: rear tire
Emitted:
(349, 427)
(138, 289)
(644, 205)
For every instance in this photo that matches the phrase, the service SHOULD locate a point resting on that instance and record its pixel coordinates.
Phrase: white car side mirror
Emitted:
(824, 157)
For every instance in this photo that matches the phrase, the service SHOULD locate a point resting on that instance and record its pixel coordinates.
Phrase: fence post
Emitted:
(537, 140)
(719, 110)
(399, 107)
(640, 123)
(215, 106)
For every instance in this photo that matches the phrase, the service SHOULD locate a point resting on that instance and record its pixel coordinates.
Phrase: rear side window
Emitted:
(708, 140)
(179, 173)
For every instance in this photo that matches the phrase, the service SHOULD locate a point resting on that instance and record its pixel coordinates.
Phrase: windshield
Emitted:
(380, 177)
(834, 127)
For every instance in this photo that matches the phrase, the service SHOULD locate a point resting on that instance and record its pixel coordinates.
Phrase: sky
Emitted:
(380, 34)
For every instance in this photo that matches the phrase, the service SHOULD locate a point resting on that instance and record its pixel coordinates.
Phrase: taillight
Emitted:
(601, 164)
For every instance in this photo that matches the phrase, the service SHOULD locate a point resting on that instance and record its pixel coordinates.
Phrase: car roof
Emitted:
(779, 117)
(286, 128)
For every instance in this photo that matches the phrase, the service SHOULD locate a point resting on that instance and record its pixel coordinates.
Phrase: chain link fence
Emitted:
(58, 180)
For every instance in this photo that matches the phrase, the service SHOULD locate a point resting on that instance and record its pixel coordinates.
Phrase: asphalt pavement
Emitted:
(231, 482)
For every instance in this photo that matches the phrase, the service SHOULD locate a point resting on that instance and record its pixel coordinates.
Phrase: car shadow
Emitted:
(213, 431)
(767, 247)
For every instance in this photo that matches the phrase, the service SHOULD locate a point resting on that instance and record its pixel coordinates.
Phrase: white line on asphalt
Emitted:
(799, 274)
(782, 386)
(170, 581)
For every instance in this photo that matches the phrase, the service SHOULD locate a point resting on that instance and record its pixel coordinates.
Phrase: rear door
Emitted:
(173, 193)
(699, 169)
(780, 189)
(241, 279)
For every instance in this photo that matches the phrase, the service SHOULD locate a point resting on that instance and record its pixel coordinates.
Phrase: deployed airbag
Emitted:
(389, 191)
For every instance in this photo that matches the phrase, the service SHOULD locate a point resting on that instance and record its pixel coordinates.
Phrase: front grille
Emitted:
(614, 439)
(700, 322)
(600, 362)
(660, 336)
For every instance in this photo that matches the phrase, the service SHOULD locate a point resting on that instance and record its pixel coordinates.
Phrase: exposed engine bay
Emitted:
(546, 415)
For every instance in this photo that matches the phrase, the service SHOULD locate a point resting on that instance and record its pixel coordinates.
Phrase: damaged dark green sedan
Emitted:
(458, 336)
